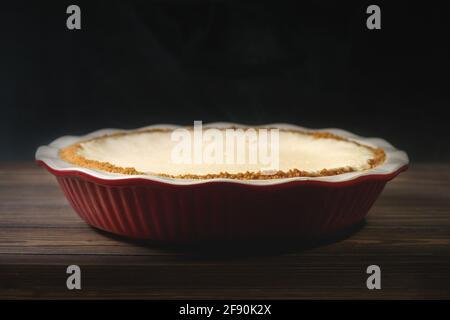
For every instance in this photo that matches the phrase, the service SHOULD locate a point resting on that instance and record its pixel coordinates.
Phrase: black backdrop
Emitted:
(136, 63)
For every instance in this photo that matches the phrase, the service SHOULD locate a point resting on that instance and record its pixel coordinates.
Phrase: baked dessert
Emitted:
(97, 171)
(150, 152)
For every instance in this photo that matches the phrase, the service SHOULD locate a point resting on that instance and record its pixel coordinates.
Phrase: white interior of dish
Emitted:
(395, 159)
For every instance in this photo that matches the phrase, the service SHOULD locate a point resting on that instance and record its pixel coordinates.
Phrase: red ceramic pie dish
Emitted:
(182, 210)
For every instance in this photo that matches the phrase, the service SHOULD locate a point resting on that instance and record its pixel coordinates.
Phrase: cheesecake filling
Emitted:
(152, 152)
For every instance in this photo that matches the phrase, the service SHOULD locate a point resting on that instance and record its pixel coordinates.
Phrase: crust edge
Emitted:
(70, 154)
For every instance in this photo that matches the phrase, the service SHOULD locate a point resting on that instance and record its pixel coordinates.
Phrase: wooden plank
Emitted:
(407, 233)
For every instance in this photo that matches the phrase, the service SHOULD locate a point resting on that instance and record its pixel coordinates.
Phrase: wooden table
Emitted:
(407, 234)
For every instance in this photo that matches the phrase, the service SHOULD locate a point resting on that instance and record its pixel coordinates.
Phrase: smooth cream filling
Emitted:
(152, 153)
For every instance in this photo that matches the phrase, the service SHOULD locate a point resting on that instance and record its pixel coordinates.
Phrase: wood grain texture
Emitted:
(407, 234)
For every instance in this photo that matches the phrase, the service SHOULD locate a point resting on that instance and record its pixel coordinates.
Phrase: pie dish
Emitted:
(123, 182)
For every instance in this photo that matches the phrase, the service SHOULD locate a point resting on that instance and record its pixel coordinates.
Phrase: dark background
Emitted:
(136, 63)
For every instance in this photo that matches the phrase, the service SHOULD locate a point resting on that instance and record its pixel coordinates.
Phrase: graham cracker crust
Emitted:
(70, 154)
